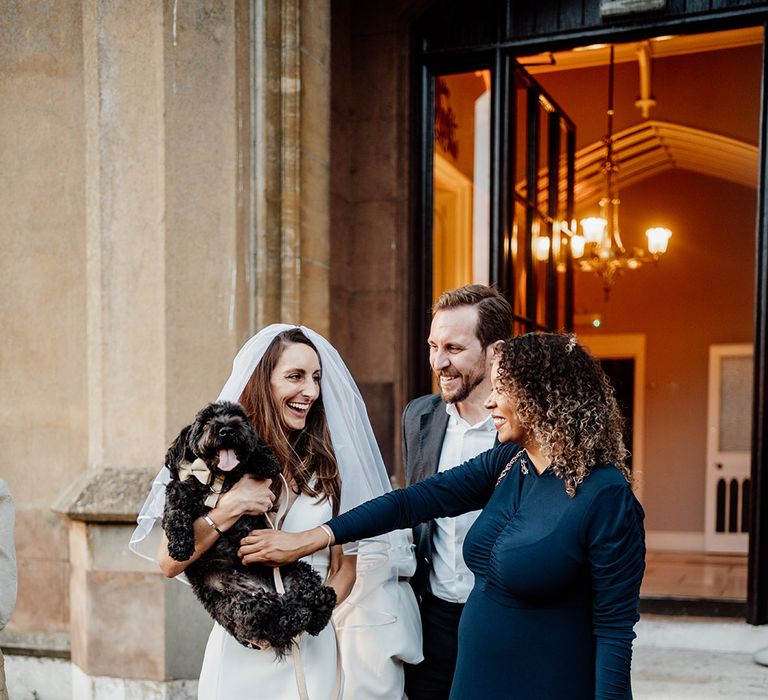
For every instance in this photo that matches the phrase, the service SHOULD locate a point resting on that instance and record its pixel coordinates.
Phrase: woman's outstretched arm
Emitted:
(459, 490)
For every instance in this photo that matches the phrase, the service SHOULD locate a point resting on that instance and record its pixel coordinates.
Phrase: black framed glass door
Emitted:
(446, 38)
(496, 198)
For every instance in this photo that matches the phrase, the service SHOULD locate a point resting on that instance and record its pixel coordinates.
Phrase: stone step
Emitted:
(715, 634)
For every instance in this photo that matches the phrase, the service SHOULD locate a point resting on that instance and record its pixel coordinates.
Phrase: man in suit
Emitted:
(441, 431)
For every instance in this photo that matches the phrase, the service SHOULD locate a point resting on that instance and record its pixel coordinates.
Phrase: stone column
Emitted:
(292, 161)
(169, 295)
(183, 202)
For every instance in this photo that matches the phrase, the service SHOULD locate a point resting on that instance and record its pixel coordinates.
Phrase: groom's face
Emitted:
(457, 358)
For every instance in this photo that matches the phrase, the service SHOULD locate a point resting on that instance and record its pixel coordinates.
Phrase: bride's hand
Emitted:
(275, 547)
(249, 496)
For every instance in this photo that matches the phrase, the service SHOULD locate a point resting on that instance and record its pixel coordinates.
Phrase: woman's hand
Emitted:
(275, 547)
(249, 496)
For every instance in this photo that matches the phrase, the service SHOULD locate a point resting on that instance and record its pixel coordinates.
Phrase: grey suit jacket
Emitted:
(424, 424)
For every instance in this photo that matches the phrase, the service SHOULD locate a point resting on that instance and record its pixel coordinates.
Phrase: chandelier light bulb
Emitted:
(658, 238)
(577, 245)
(593, 228)
(541, 248)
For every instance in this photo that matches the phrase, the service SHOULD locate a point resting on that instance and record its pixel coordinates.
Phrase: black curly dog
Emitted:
(242, 599)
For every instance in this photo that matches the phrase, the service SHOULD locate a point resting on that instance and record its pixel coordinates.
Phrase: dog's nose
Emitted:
(226, 431)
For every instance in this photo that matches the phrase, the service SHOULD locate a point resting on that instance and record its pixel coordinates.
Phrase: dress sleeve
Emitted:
(459, 490)
(616, 548)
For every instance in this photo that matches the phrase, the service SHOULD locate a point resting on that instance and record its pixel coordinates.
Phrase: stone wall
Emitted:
(370, 205)
(168, 195)
(43, 372)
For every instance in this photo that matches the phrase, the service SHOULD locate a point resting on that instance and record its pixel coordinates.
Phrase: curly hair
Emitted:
(565, 402)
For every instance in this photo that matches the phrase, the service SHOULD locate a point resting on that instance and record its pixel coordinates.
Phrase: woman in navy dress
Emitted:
(558, 550)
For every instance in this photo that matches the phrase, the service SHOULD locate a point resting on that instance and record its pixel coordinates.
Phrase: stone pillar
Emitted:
(292, 161)
(169, 297)
(179, 212)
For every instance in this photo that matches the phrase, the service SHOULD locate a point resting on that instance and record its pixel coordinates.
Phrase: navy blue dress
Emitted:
(557, 579)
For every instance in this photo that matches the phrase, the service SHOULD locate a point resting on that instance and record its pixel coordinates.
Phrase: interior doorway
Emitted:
(622, 356)
(689, 134)
(675, 146)
(728, 448)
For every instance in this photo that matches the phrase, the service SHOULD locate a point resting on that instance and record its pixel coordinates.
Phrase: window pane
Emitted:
(540, 265)
(521, 139)
(519, 246)
(735, 404)
(562, 183)
(461, 216)
(542, 195)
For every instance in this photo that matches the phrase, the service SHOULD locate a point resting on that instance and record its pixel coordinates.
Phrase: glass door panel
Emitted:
(544, 190)
(461, 180)
(518, 257)
(520, 145)
(520, 152)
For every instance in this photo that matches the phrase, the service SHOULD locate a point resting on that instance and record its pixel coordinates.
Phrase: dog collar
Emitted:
(213, 497)
(199, 470)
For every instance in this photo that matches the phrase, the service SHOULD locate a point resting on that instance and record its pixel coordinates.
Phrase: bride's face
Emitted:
(295, 384)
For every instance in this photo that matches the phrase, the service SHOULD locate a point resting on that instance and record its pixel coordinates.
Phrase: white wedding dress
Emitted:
(233, 672)
(379, 628)
(378, 625)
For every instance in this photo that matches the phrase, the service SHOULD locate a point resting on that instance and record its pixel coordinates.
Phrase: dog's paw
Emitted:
(322, 605)
(180, 551)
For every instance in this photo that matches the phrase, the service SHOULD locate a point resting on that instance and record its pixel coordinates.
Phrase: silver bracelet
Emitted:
(327, 530)
(208, 519)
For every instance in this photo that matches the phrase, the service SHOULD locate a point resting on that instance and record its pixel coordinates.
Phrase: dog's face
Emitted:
(222, 435)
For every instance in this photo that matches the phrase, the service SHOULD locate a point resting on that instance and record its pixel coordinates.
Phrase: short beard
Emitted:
(463, 392)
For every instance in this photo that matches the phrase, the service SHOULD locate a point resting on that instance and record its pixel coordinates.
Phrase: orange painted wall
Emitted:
(700, 293)
(717, 91)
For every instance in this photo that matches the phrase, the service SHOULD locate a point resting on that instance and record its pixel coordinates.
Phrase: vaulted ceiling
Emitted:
(703, 96)
(652, 147)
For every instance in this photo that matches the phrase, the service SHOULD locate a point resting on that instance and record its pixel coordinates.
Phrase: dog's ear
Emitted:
(268, 464)
(178, 451)
(203, 417)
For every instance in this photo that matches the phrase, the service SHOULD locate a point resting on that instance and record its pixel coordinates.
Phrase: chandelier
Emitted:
(599, 248)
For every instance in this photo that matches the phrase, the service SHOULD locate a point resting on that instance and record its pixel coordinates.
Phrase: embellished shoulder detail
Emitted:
(517, 458)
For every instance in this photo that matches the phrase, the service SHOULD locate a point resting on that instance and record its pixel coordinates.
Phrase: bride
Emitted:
(303, 401)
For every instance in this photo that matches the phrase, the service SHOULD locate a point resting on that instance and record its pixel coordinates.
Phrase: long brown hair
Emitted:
(305, 454)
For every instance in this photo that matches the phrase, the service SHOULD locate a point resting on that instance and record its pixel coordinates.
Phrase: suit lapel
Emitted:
(431, 434)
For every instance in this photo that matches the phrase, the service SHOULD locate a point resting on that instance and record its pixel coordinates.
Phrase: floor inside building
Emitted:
(695, 575)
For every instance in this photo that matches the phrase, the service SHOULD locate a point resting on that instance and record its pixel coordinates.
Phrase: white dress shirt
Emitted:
(450, 579)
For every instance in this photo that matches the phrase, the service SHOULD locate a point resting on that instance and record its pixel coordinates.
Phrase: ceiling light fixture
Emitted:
(599, 248)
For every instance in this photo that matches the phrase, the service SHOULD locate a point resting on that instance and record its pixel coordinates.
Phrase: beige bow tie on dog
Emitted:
(199, 470)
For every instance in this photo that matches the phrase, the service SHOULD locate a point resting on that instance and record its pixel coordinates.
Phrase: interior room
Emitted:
(685, 144)
(666, 138)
